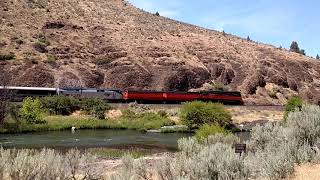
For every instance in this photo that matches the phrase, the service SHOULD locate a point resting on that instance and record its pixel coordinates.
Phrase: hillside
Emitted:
(112, 44)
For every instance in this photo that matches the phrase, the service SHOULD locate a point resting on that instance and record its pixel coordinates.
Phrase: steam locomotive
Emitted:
(110, 95)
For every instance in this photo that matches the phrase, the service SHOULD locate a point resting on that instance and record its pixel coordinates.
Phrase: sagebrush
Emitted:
(273, 151)
(46, 164)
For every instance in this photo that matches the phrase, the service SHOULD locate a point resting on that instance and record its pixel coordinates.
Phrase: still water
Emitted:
(90, 138)
(96, 138)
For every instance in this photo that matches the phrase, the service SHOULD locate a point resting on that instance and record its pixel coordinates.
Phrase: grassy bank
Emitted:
(55, 113)
(57, 123)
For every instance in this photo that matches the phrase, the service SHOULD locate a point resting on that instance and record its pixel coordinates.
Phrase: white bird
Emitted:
(73, 129)
(241, 126)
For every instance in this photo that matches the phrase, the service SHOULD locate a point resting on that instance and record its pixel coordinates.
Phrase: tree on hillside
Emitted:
(294, 47)
(317, 57)
(248, 38)
(223, 33)
(157, 13)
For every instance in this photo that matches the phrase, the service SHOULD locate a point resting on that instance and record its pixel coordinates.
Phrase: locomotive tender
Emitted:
(110, 95)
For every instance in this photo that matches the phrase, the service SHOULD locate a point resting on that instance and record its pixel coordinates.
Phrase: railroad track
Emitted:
(173, 106)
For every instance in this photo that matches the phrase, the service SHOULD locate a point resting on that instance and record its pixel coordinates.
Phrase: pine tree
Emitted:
(317, 57)
(295, 47)
(157, 13)
(303, 52)
(223, 33)
(248, 38)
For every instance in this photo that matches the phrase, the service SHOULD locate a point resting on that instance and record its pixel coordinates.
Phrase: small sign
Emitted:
(240, 148)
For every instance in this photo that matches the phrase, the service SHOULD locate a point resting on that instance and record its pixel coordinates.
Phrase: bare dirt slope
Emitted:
(112, 44)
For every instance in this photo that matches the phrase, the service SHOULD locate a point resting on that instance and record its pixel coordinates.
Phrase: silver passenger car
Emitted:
(110, 95)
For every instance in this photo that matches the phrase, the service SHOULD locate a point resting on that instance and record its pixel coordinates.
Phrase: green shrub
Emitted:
(207, 130)
(195, 114)
(219, 86)
(95, 107)
(41, 44)
(102, 61)
(7, 57)
(43, 40)
(293, 104)
(273, 95)
(51, 59)
(66, 105)
(60, 105)
(40, 47)
(31, 111)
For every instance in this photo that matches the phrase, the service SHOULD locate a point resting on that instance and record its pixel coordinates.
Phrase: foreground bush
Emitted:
(304, 125)
(275, 149)
(195, 114)
(46, 165)
(273, 152)
(207, 130)
(195, 161)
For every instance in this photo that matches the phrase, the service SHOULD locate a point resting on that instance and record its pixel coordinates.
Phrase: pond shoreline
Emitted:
(85, 139)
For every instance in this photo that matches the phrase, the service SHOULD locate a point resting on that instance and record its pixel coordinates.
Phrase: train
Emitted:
(126, 96)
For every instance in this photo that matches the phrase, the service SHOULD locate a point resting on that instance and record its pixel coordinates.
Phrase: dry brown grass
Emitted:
(307, 172)
(114, 114)
(241, 115)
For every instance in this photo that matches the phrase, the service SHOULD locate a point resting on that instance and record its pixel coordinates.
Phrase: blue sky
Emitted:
(272, 22)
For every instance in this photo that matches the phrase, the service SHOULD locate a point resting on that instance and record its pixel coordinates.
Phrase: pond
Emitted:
(91, 138)
(83, 139)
